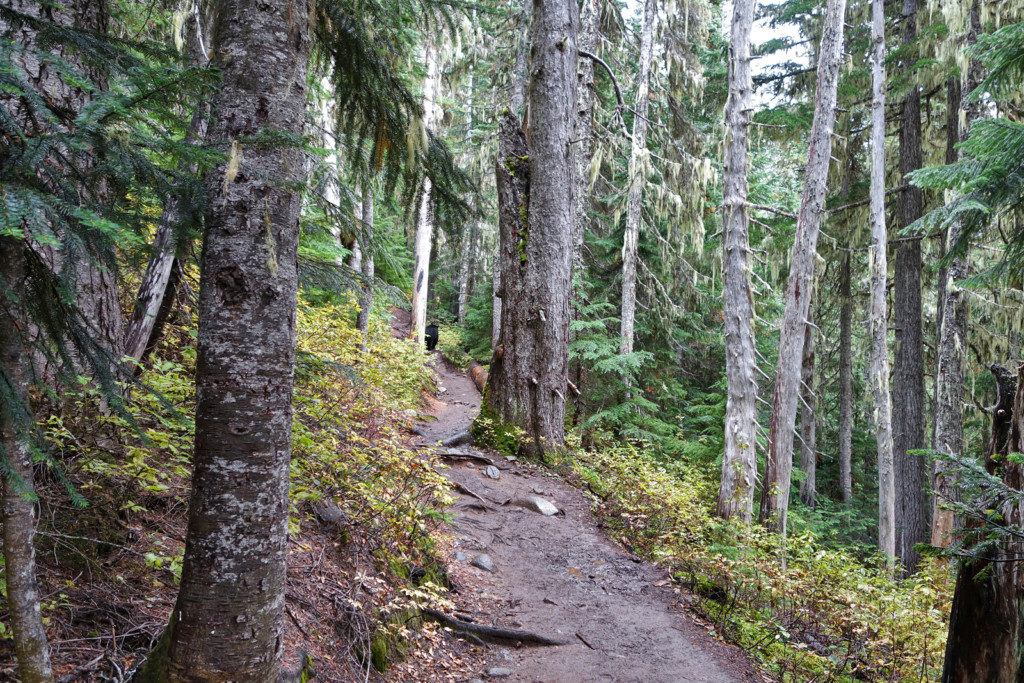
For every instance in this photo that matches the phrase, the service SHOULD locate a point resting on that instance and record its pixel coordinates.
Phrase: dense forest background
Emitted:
(749, 273)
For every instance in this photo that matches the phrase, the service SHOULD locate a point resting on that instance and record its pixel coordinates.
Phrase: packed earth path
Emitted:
(558, 575)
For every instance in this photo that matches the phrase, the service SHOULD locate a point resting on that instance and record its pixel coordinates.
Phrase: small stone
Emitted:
(498, 672)
(460, 556)
(410, 412)
(536, 504)
(483, 561)
(492, 472)
(539, 491)
(510, 458)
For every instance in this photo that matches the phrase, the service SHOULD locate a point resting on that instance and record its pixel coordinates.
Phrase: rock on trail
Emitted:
(558, 575)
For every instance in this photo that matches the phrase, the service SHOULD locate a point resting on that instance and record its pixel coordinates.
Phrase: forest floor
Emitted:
(558, 576)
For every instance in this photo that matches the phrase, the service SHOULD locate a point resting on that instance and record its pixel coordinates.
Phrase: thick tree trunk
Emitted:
(779, 468)
(366, 297)
(423, 239)
(163, 273)
(879, 272)
(949, 388)
(18, 495)
(808, 422)
(517, 101)
(227, 620)
(739, 460)
(96, 291)
(986, 624)
(912, 523)
(527, 381)
(845, 382)
(637, 179)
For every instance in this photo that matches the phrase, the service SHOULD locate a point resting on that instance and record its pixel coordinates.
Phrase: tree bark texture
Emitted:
(18, 495)
(423, 239)
(637, 179)
(226, 624)
(949, 388)
(986, 623)
(527, 381)
(779, 467)
(879, 273)
(808, 422)
(739, 460)
(912, 508)
(845, 382)
(96, 291)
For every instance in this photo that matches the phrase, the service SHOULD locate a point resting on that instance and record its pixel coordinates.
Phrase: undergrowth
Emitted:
(828, 615)
(121, 541)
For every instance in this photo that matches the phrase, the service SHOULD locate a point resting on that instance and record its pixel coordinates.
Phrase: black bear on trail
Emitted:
(431, 337)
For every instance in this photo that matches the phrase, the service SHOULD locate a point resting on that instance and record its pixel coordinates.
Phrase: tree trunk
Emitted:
(163, 273)
(779, 468)
(952, 139)
(739, 461)
(879, 272)
(226, 623)
(637, 180)
(366, 297)
(18, 494)
(521, 70)
(96, 291)
(845, 382)
(808, 422)
(912, 523)
(528, 376)
(584, 143)
(466, 270)
(423, 240)
(468, 236)
(949, 388)
(517, 100)
(986, 623)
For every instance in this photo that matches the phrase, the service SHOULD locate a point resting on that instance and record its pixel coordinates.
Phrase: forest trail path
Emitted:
(561, 577)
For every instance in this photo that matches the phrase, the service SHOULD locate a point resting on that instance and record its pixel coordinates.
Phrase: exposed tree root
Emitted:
(504, 635)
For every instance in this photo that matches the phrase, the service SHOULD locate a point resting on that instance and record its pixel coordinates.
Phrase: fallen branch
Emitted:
(489, 632)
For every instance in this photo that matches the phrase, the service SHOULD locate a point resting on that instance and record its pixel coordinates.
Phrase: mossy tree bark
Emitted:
(527, 383)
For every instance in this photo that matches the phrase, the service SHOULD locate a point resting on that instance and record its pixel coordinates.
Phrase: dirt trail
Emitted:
(560, 576)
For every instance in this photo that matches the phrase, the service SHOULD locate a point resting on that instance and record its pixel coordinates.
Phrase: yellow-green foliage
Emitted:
(346, 441)
(826, 616)
(451, 343)
(349, 407)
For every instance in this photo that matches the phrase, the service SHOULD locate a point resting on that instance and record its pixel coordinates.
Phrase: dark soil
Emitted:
(561, 577)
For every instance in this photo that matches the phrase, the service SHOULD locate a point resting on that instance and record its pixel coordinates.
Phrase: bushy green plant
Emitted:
(805, 609)
(451, 343)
